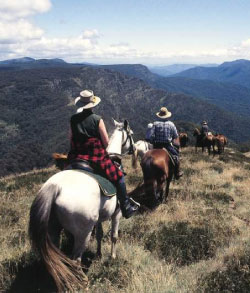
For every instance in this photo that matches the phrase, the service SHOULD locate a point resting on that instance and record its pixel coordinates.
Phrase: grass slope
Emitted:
(198, 242)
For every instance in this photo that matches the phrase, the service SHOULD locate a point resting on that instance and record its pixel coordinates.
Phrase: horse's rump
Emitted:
(157, 169)
(183, 137)
(156, 162)
(220, 141)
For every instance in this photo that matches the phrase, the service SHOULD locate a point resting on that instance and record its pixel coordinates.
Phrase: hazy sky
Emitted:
(126, 31)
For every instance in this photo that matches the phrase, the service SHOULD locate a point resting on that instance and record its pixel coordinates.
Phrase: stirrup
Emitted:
(129, 208)
(179, 175)
(134, 202)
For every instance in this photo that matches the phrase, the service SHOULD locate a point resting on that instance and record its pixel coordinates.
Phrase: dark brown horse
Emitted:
(219, 141)
(183, 139)
(203, 141)
(158, 169)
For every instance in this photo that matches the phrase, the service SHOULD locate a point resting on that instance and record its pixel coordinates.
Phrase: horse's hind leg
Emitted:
(160, 187)
(55, 230)
(99, 235)
(168, 181)
(114, 232)
(81, 241)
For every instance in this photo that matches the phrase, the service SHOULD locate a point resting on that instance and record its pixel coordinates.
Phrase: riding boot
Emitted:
(128, 205)
(177, 172)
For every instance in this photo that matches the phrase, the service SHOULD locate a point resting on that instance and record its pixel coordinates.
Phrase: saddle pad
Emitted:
(107, 188)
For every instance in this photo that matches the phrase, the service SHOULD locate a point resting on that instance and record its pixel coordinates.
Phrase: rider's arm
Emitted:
(175, 136)
(103, 133)
(152, 134)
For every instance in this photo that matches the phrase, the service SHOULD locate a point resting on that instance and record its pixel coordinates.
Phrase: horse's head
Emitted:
(128, 142)
(123, 137)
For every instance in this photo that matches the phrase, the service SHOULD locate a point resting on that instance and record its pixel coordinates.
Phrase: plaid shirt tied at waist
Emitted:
(93, 151)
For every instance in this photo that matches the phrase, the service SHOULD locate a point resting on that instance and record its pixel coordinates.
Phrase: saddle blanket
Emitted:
(107, 188)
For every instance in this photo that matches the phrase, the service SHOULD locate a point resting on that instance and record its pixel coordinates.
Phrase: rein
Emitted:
(131, 147)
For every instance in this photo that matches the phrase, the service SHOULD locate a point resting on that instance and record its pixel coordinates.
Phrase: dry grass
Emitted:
(197, 242)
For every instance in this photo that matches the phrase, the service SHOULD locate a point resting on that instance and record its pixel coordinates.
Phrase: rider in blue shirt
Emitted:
(164, 135)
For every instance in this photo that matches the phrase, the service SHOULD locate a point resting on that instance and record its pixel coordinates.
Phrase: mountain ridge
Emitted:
(237, 72)
(230, 97)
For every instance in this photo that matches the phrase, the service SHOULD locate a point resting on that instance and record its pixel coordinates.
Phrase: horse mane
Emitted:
(115, 147)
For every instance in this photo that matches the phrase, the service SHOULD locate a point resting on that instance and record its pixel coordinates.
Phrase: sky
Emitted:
(150, 32)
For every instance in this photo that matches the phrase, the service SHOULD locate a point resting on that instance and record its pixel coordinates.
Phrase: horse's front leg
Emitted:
(99, 236)
(114, 231)
(213, 146)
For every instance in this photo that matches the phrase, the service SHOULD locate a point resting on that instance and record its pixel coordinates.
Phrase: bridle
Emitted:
(129, 138)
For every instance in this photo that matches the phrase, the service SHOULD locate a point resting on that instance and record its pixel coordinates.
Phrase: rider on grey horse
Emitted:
(164, 134)
(89, 141)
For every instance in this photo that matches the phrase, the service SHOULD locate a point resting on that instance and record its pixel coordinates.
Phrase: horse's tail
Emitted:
(135, 158)
(148, 174)
(147, 167)
(65, 272)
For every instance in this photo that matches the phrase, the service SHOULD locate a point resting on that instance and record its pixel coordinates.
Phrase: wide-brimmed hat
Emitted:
(86, 100)
(164, 113)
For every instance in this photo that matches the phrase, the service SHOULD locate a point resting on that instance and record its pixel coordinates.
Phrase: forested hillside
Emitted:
(228, 96)
(36, 105)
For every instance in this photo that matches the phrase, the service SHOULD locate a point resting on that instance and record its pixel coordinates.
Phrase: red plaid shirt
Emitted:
(93, 151)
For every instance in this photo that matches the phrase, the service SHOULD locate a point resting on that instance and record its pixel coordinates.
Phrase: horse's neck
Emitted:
(115, 143)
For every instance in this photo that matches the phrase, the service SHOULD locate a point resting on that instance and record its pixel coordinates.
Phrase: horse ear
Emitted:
(126, 125)
(115, 122)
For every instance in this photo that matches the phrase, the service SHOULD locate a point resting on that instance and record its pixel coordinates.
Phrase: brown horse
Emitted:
(219, 140)
(60, 160)
(157, 168)
(203, 141)
(183, 139)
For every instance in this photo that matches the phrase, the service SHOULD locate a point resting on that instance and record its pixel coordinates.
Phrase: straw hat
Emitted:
(86, 100)
(164, 113)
